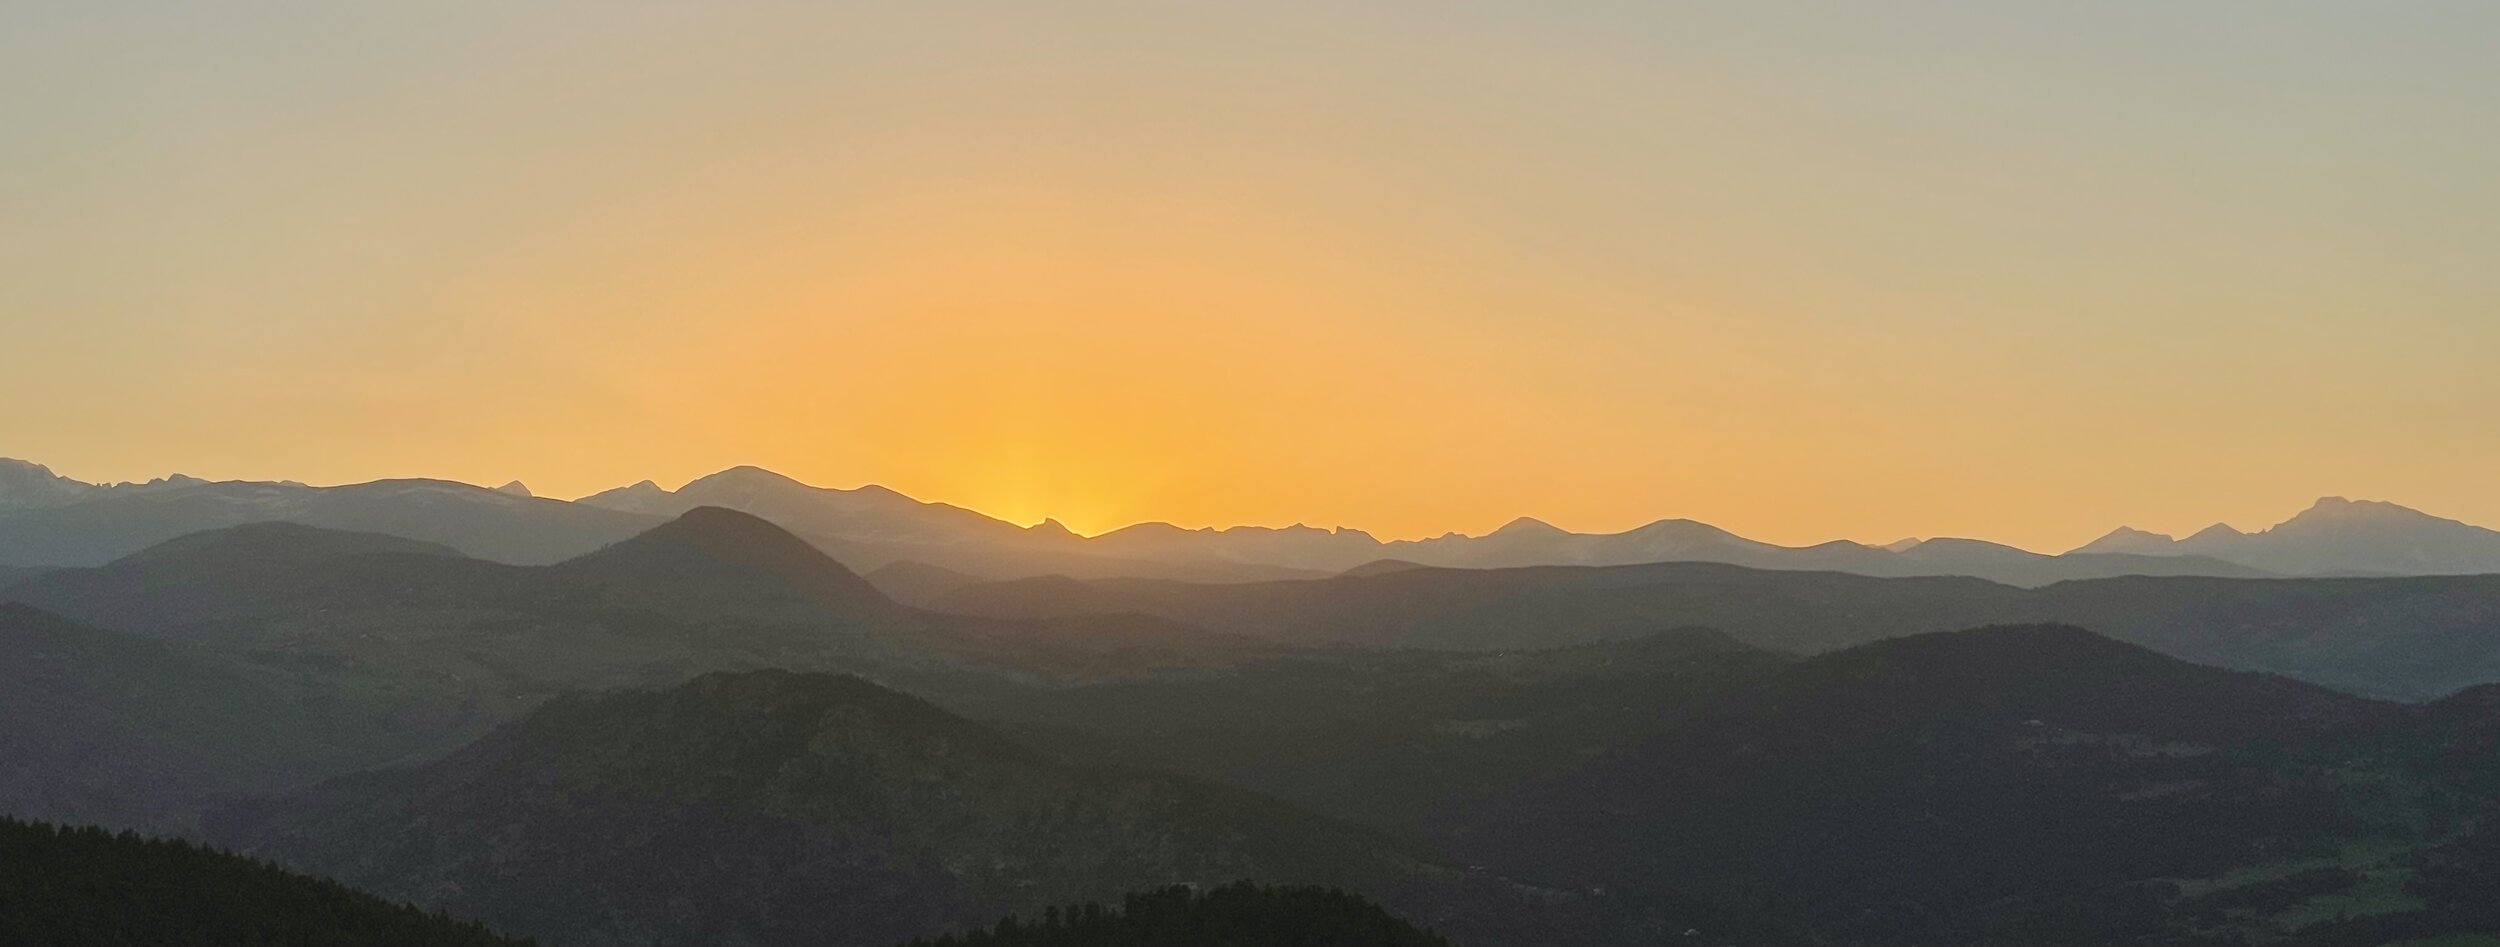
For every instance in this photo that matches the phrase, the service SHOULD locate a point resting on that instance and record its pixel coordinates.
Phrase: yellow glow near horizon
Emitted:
(1409, 268)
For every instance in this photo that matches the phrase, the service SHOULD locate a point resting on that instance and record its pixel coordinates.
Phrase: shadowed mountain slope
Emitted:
(121, 730)
(778, 808)
(69, 886)
(422, 650)
(2007, 785)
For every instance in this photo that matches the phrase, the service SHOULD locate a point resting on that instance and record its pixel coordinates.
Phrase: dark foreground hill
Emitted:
(1234, 915)
(74, 887)
(2014, 785)
(777, 808)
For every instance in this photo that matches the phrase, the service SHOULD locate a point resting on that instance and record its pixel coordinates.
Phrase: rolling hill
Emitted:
(778, 808)
(1996, 786)
(2409, 638)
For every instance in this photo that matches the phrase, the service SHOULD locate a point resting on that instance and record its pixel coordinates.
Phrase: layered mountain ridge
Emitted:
(48, 520)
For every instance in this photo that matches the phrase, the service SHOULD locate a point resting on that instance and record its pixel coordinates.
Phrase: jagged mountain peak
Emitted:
(25, 484)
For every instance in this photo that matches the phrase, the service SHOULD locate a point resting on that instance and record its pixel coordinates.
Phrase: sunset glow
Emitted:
(1804, 272)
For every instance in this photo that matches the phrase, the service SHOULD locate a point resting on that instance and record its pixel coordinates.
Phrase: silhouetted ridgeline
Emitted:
(51, 520)
(73, 887)
(1234, 915)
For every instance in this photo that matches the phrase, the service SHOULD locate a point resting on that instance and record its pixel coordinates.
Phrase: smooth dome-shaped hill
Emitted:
(64, 886)
(711, 552)
(241, 576)
(780, 808)
(280, 542)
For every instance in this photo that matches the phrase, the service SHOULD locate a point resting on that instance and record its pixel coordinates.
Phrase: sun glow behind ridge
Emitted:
(1400, 267)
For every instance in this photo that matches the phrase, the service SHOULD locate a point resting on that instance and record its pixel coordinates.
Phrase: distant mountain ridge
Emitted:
(2335, 536)
(48, 520)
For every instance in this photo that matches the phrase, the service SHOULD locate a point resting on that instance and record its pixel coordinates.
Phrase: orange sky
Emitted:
(1407, 267)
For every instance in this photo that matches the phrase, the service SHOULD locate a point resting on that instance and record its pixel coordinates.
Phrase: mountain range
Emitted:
(48, 520)
(256, 657)
(711, 731)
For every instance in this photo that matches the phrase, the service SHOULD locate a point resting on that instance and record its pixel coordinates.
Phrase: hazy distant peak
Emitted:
(2130, 540)
(25, 484)
(1529, 526)
(515, 488)
(2339, 509)
(643, 497)
(2132, 533)
(1952, 544)
(2217, 531)
(12, 468)
(1902, 545)
(1050, 527)
(1156, 528)
(181, 480)
(1686, 528)
(881, 490)
(743, 476)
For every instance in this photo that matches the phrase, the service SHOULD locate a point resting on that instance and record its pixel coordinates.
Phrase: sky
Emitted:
(2021, 271)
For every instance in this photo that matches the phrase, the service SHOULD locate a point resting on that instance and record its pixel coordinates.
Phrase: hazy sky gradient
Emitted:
(2016, 270)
